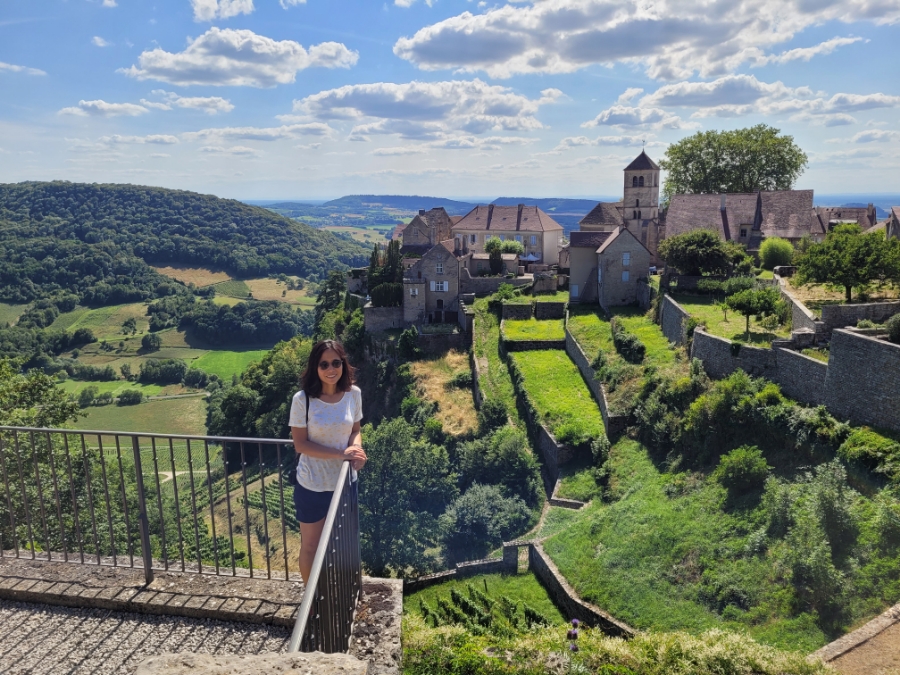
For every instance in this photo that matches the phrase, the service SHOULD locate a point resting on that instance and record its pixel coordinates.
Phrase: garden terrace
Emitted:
(622, 380)
(533, 329)
(815, 296)
(561, 398)
(494, 382)
(711, 313)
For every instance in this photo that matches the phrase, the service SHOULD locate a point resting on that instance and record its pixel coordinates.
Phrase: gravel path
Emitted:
(42, 639)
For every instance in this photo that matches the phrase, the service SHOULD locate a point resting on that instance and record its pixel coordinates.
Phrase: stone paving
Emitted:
(58, 617)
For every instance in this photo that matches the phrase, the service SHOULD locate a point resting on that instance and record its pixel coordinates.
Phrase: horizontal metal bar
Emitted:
(148, 434)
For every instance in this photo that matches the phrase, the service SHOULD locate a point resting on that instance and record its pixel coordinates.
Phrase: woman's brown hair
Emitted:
(310, 381)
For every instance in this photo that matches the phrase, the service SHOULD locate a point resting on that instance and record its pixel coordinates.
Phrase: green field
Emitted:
(532, 329)
(9, 314)
(523, 587)
(710, 313)
(228, 363)
(560, 396)
(105, 322)
(185, 416)
(233, 288)
(116, 387)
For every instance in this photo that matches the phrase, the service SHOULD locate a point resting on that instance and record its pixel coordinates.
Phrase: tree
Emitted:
(130, 397)
(753, 301)
(850, 259)
(514, 247)
(32, 400)
(129, 326)
(151, 342)
(774, 252)
(494, 248)
(330, 297)
(696, 252)
(743, 160)
(86, 396)
(406, 486)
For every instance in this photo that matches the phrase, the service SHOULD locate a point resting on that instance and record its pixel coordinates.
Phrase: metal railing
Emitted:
(325, 621)
(204, 504)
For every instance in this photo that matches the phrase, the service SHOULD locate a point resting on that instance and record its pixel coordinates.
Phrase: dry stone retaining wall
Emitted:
(378, 319)
(863, 383)
(840, 316)
(801, 377)
(488, 285)
(672, 320)
(721, 357)
(549, 310)
(517, 310)
(614, 424)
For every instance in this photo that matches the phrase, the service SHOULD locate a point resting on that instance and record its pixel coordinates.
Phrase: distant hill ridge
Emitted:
(97, 241)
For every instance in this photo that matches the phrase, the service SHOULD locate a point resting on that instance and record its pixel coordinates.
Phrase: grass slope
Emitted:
(560, 395)
(174, 416)
(10, 313)
(105, 322)
(532, 329)
(706, 311)
(456, 408)
(495, 380)
(228, 363)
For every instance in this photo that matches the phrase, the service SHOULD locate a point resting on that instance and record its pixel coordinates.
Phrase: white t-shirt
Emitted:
(330, 425)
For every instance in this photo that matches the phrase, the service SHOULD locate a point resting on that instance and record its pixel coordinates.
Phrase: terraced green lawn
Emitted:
(495, 380)
(560, 396)
(532, 329)
(709, 313)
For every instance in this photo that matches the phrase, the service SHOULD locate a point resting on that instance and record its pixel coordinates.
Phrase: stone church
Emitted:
(638, 212)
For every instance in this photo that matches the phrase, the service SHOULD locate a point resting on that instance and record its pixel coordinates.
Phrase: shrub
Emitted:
(196, 378)
(738, 284)
(130, 397)
(387, 295)
(408, 344)
(505, 292)
(774, 252)
(742, 470)
(709, 286)
(872, 450)
(461, 380)
(893, 328)
(627, 344)
(492, 415)
(163, 371)
(151, 342)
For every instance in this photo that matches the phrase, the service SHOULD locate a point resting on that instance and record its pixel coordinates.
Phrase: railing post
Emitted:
(143, 522)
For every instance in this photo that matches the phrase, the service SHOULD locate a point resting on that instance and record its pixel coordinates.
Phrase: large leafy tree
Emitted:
(696, 252)
(850, 259)
(494, 248)
(753, 301)
(742, 160)
(405, 488)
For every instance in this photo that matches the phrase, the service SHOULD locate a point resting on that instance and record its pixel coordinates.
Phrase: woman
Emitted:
(324, 421)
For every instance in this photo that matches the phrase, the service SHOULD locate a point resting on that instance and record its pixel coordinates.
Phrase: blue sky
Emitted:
(260, 99)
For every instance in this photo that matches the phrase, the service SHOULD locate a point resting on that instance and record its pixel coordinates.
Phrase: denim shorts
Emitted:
(311, 506)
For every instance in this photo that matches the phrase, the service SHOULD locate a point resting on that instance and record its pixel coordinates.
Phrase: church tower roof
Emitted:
(642, 163)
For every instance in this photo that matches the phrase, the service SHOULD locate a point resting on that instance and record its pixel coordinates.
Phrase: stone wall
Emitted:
(549, 310)
(615, 424)
(476, 379)
(487, 285)
(465, 315)
(801, 317)
(863, 383)
(672, 320)
(801, 377)
(439, 343)
(517, 310)
(378, 319)
(721, 357)
(567, 600)
(532, 345)
(841, 316)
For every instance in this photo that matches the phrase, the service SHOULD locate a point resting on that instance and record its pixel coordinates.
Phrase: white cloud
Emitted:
(209, 10)
(628, 95)
(208, 104)
(738, 95)
(239, 150)
(627, 116)
(98, 41)
(427, 110)
(285, 4)
(807, 53)
(238, 58)
(400, 151)
(410, 3)
(606, 141)
(20, 69)
(153, 139)
(670, 39)
(875, 136)
(260, 133)
(110, 3)
(104, 109)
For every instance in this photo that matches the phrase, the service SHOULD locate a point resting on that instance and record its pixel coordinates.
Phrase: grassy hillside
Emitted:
(101, 240)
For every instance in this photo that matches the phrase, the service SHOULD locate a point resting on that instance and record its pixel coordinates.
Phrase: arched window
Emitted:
(637, 202)
(641, 181)
(634, 215)
(639, 215)
(634, 181)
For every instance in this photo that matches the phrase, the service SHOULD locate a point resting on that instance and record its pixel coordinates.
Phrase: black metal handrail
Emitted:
(325, 621)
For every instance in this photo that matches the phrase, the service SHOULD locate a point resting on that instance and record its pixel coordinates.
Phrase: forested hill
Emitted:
(97, 241)
(402, 202)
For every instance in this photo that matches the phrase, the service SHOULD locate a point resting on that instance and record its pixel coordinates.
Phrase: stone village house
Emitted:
(606, 267)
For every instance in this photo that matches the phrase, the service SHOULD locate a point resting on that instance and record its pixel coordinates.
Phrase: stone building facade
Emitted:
(538, 233)
(431, 286)
(606, 267)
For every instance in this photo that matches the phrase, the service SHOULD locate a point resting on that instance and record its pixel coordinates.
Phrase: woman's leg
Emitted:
(309, 542)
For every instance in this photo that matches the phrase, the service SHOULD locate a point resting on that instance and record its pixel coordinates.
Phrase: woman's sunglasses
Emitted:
(337, 363)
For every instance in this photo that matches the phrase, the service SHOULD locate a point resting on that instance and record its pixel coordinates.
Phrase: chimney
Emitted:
(519, 217)
(489, 216)
(722, 202)
(421, 212)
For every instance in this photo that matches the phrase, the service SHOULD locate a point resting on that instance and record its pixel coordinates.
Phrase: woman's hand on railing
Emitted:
(356, 455)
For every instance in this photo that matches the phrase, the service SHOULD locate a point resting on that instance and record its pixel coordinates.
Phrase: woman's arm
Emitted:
(302, 445)
(355, 443)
